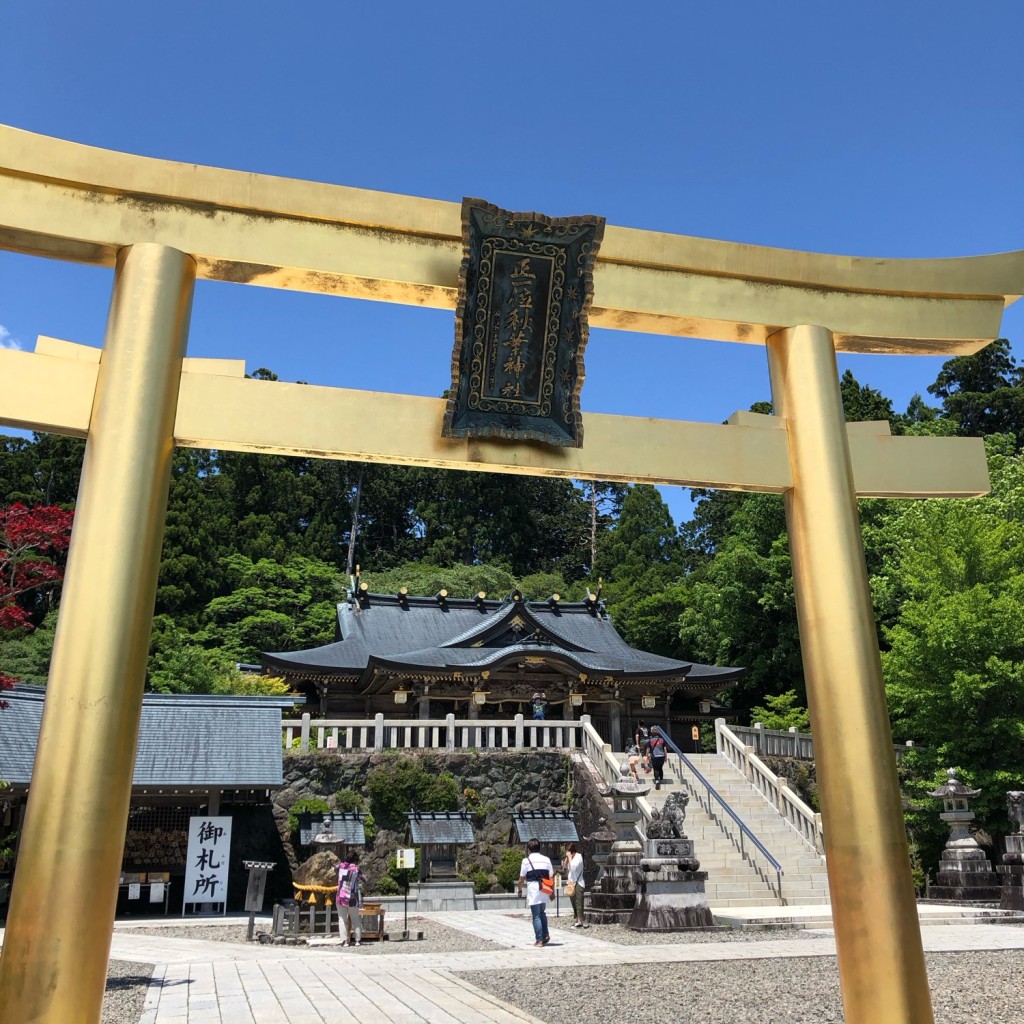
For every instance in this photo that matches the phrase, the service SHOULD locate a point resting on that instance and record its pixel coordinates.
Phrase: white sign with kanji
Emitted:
(206, 869)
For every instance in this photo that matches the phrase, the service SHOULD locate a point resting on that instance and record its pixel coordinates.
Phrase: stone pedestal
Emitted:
(614, 895)
(446, 895)
(965, 874)
(672, 894)
(1011, 871)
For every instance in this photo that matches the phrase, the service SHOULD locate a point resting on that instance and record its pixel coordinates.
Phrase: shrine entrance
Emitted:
(161, 225)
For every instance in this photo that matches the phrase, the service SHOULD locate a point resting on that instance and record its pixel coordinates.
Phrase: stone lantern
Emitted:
(600, 842)
(1012, 869)
(965, 873)
(615, 893)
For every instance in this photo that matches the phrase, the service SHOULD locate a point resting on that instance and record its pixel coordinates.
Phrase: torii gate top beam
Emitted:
(67, 201)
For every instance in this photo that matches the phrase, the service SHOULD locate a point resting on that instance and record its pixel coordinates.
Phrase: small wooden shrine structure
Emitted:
(439, 834)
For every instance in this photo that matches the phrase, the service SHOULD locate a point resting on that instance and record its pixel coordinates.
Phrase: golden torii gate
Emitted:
(163, 224)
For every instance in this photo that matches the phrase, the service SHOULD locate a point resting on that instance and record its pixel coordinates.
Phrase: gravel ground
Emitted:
(126, 992)
(437, 938)
(627, 937)
(967, 988)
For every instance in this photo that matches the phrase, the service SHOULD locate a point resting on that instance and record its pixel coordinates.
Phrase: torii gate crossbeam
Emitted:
(163, 224)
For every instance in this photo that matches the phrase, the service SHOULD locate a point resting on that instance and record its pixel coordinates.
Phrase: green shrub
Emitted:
(402, 783)
(403, 877)
(507, 872)
(370, 828)
(781, 711)
(387, 886)
(481, 881)
(308, 805)
(347, 801)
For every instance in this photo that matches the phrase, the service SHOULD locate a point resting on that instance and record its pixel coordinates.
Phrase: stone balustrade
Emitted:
(790, 742)
(774, 788)
(448, 733)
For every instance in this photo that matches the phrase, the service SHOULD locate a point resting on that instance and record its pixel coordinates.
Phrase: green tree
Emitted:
(640, 558)
(781, 711)
(523, 524)
(425, 579)
(177, 665)
(25, 654)
(198, 534)
(863, 403)
(983, 393)
(272, 606)
(41, 470)
(954, 669)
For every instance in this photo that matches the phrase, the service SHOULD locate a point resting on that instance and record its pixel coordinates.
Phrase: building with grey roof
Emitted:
(482, 658)
(195, 755)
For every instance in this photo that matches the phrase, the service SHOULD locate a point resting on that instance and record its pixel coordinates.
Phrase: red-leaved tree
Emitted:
(33, 542)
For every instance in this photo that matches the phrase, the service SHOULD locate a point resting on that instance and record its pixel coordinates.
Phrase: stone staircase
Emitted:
(734, 881)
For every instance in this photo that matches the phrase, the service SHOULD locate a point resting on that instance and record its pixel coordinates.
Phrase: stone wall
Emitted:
(494, 786)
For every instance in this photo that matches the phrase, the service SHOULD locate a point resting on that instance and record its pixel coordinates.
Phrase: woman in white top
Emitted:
(572, 868)
(536, 866)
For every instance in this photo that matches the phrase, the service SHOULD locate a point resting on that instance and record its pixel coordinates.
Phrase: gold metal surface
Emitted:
(53, 965)
(65, 201)
(48, 346)
(237, 414)
(878, 940)
(68, 201)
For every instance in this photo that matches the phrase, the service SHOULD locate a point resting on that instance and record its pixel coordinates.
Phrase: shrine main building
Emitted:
(476, 657)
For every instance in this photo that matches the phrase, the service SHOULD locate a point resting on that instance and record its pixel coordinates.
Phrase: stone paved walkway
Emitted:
(208, 982)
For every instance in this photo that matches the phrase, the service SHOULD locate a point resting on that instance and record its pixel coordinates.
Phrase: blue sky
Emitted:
(875, 129)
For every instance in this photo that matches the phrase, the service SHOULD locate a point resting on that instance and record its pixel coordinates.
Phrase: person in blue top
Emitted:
(539, 704)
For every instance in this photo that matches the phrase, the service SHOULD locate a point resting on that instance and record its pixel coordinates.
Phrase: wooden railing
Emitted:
(448, 733)
(789, 743)
(774, 788)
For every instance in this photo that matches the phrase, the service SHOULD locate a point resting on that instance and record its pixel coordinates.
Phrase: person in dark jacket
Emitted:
(658, 753)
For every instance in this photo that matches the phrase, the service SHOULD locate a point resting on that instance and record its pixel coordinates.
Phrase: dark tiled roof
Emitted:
(440, 827)
(462, 633)
(547, 826)
(346, 826)
(223, 742)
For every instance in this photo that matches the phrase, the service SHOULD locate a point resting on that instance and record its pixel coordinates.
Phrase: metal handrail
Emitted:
(744, 829)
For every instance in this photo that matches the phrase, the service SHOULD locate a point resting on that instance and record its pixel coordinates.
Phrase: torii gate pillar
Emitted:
(86, 751)
(881, 959)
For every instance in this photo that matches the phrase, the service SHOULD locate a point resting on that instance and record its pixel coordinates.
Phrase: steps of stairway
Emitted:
(766, 900)
(732, 880)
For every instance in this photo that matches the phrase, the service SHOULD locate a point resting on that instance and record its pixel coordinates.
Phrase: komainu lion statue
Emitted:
(1015, 809)
(668, 822)
(675, 810)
